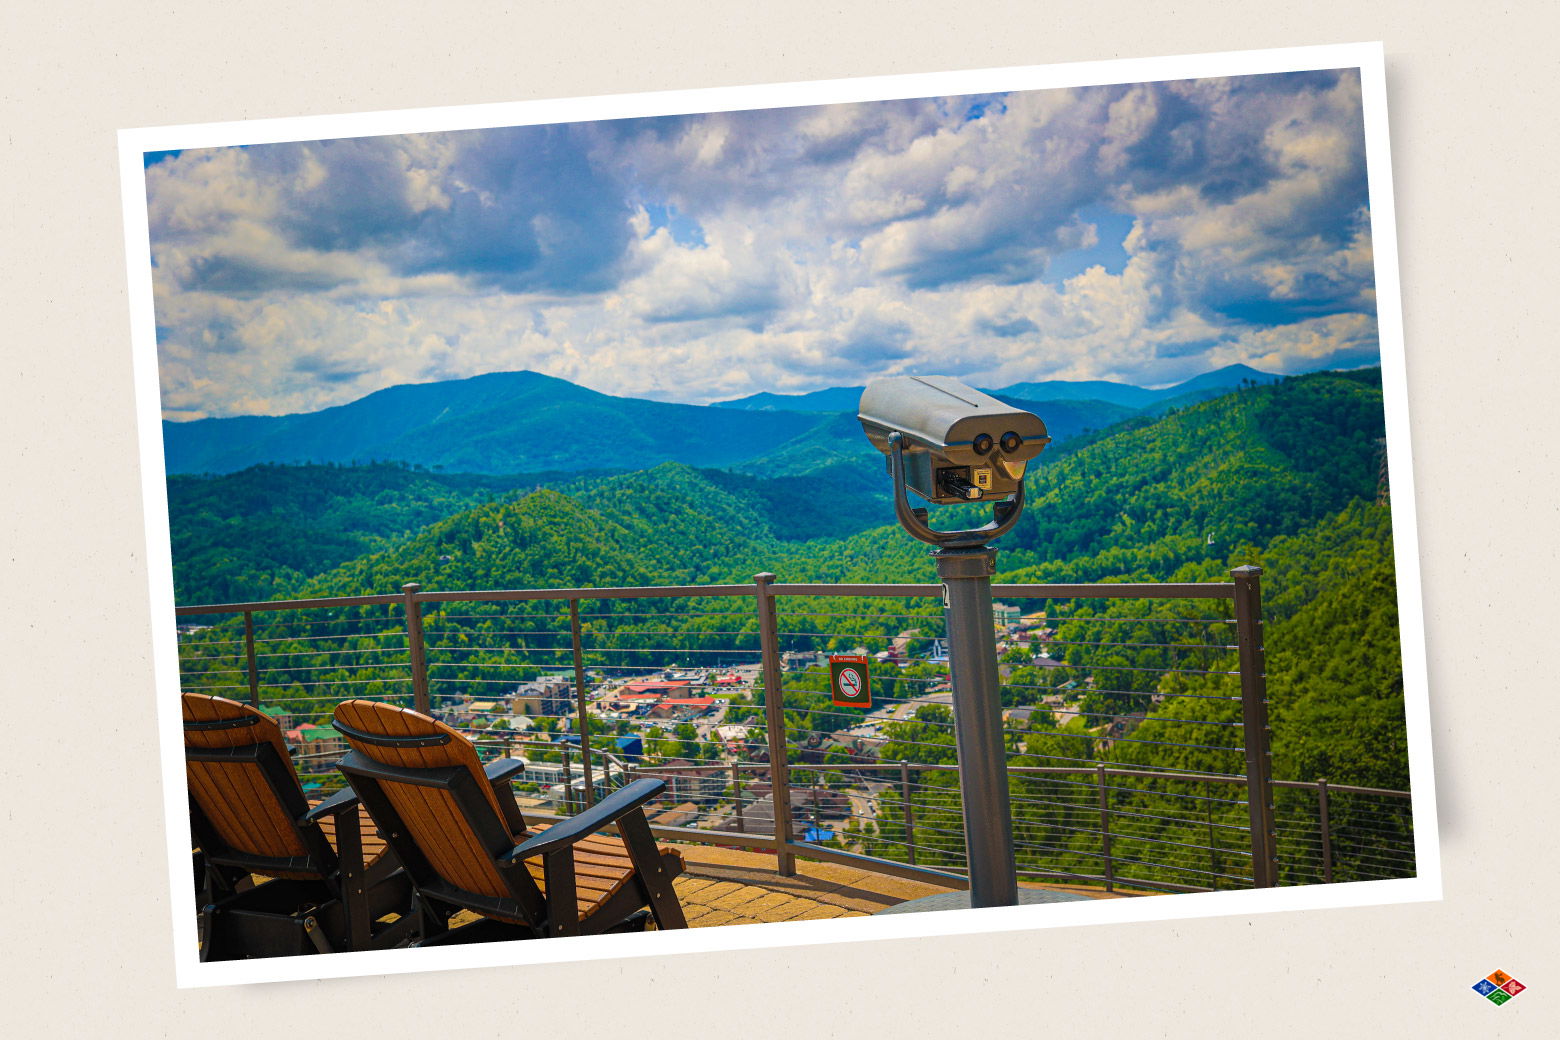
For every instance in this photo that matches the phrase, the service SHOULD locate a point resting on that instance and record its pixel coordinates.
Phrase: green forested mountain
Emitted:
(1238, 470)
(259, 533)
(1285, 475)
(262, 532)
(668, 525)
(1152, 498)
(1148, 501)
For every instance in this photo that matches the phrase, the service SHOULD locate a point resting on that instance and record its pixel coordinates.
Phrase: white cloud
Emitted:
(817, 247)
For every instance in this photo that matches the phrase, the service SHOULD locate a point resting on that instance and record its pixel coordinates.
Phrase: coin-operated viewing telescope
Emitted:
(950, 443)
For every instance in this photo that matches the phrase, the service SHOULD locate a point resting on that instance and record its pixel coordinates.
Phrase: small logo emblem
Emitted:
(1497, 987)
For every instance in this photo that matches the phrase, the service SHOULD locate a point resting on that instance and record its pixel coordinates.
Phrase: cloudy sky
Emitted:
(1144, 233)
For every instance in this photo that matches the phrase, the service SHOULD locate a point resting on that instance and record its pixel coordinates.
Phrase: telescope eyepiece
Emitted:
(982, 444)
(1011, 442)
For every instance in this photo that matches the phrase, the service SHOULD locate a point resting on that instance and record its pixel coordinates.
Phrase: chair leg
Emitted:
(354, 898)
(204, 929)
(563, 916)
(430, 922)
(654, 879)
(664, 905)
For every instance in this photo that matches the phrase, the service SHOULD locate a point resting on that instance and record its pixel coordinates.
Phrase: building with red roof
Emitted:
(658, 686)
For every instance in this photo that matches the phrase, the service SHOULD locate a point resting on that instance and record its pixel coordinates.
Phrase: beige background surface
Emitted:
(86, 943)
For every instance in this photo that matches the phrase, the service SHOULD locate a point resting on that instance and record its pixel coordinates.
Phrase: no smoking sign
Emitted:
(850, 683)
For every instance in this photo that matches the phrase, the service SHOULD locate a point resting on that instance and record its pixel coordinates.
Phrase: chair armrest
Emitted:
(609, 810)
(501, 769)
(335, 805)
(499, 772)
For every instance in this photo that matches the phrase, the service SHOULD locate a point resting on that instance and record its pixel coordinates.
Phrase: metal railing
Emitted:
(1138, 749)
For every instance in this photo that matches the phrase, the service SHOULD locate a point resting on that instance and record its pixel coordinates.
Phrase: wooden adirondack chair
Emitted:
(460, 834)
(249, 816)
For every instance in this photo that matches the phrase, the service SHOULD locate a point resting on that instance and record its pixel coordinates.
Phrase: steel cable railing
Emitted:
(1125, 720)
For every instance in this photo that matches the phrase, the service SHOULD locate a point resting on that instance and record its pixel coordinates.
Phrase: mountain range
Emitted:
(526, 422)
(1123, 395)
(1287, 476)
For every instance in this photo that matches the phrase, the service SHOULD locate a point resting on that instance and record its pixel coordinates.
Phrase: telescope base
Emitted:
(961, 901)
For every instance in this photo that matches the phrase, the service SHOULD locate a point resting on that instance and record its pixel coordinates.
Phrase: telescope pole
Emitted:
(977, 720)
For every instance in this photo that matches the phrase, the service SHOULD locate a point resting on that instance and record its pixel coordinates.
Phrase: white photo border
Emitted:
(1368, 58)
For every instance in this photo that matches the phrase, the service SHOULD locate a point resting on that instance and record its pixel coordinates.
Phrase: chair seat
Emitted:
(601, 867)
(374, 845)
(601, 864)
(373, 842)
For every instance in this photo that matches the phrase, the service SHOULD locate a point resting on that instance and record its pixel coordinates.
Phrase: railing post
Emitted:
(249, 656)
(414, 643)
(1322, 811)
(736, 793)
(906, 810)
(1254, 725)
(579, 699)
(1110, 865)
(774, 718)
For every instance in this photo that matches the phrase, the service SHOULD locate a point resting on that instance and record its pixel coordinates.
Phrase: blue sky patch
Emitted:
(684, 230)
(1111, 228)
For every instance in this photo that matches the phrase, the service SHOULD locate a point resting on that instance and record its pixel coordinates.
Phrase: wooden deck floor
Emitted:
(726, 886)
(723, 886)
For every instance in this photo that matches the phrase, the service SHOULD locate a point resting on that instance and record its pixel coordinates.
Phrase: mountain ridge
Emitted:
(519, 422)
(1126, 395)
(498, 422)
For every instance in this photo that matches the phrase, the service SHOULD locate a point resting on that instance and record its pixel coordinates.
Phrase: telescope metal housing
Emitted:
(959, 444)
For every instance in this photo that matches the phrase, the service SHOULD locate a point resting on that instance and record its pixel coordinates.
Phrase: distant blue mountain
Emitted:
(1226, 378)
(525, 422)
(502, 422)
(1198, 388)
(834, 399)
(1064, 419)
(1122, 395)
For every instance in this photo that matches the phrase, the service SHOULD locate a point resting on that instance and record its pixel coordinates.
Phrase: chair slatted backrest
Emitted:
(432, 816)
(239, 800)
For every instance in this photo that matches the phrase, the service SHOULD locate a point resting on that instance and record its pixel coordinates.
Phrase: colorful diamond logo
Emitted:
(1497, 987)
